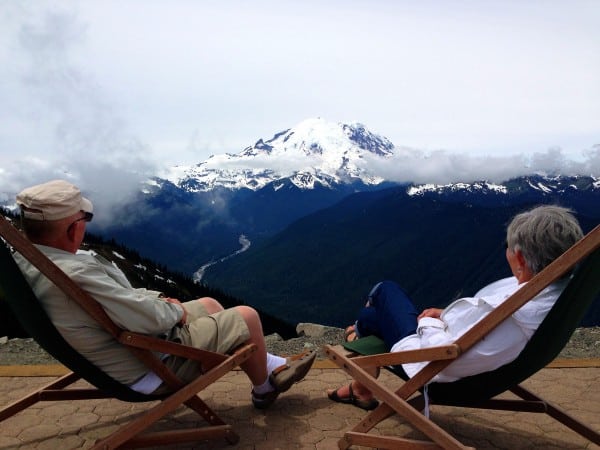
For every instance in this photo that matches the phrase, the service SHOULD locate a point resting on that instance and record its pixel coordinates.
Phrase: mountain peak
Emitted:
(316, 136)
(313, 152)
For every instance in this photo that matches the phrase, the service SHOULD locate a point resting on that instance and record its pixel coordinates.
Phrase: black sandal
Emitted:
(367, 405)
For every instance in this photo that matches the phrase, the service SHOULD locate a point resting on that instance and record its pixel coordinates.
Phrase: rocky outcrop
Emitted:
(310, 336)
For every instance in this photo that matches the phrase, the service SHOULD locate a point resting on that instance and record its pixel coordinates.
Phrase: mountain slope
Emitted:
(186, 230)
(438, 247)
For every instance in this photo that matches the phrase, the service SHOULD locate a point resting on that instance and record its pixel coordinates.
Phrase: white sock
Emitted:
(263, 388)
(273, 362)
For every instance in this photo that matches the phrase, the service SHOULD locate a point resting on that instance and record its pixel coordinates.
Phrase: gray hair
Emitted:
(542, 234)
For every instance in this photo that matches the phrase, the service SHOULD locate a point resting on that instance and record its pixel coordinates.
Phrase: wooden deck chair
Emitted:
(22, 301)
(478, 391)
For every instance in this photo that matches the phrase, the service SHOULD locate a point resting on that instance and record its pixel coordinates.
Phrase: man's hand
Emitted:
(177, 302)
(431, 312)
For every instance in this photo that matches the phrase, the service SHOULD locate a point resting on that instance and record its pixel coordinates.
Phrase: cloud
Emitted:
(442, 167)
(88, 130)
(88, 142)
(591, 165)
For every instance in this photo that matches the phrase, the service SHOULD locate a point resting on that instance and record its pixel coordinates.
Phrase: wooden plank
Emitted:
(30, 370)
(55, 370)
(408, 356)
(382, 441)
(566, 363)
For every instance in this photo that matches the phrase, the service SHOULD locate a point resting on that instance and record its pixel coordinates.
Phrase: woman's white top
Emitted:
(499, 347)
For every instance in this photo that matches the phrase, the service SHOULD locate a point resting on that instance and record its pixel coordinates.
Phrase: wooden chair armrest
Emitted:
(442, 352)
(141, 341)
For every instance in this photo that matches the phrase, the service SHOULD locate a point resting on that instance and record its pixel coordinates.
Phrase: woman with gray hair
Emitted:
(534, 239)
(541, 235)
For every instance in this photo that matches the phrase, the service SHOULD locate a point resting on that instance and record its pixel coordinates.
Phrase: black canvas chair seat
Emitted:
(16, 292)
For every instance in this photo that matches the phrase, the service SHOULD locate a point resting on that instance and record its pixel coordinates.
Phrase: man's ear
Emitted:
(71, 233)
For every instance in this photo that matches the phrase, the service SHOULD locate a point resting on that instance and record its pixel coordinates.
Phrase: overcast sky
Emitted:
(106, 92)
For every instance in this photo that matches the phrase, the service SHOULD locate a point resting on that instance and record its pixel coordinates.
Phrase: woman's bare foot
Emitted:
(350, 334)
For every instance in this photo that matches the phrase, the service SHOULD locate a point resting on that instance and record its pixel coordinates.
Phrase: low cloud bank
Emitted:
(113, 175)
(440, 167)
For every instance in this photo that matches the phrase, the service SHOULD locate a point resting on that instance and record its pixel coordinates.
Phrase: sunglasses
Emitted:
(87, 217)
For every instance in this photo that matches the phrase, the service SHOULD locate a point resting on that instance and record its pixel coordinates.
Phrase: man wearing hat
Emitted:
(54, 217)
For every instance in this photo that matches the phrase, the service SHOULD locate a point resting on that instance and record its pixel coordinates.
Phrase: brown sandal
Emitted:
(367, 405)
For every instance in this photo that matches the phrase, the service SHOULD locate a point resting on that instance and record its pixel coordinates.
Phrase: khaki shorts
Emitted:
(221, 332)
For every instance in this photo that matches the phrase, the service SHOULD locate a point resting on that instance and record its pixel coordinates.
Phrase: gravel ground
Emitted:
(585, 343)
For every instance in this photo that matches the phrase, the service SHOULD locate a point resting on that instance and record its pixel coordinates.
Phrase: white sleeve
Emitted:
(498, 348)
(431, 332)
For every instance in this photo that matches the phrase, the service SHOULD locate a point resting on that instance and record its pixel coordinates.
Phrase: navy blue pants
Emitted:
(389, 314)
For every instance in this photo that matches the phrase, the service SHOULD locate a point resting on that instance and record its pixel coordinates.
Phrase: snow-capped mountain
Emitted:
(314, 151)
(579, 192)
(481, 187)
(534, 183)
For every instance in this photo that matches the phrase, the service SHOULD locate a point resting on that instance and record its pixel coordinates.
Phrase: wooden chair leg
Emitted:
(36, 396)
(182, 436)
(392, 402)
(131, 432)
(185, 395)
(559, 414)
